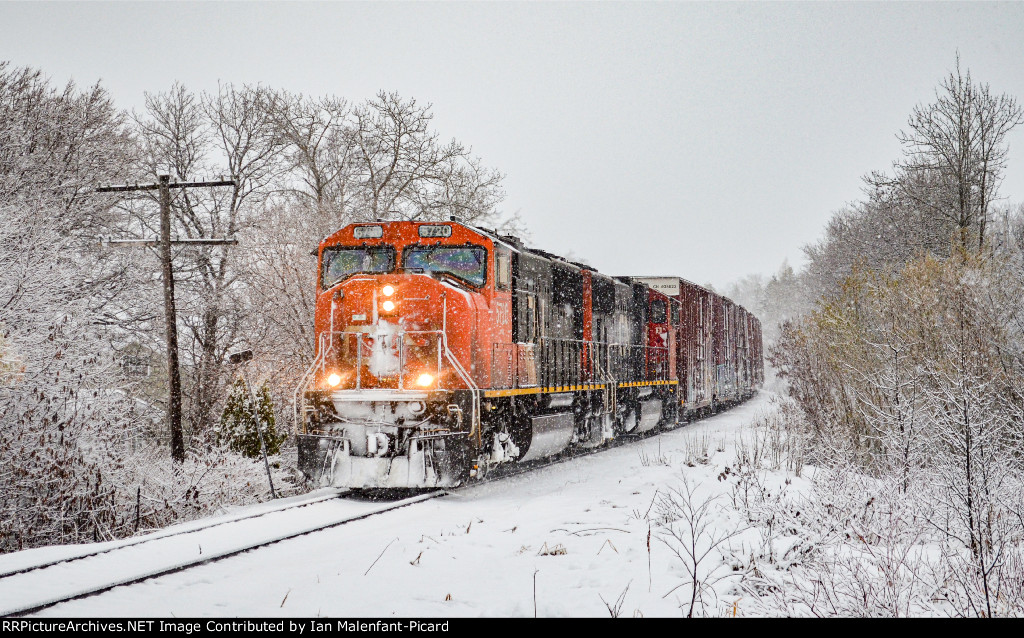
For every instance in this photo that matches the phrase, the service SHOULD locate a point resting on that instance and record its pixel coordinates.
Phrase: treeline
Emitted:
(908, 362)
(82, 371)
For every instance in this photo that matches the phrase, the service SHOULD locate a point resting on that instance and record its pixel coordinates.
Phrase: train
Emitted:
(445, 351)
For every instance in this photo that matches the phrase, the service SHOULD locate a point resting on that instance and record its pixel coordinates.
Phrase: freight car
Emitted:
(445, 350)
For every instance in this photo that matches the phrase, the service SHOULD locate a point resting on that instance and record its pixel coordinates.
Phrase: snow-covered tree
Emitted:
(230, 134)
(60, 398)
(241, 422)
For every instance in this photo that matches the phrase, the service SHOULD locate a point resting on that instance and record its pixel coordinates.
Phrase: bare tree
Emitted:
(691, 534)
(405, 172)
(319, 152)
(956, 149)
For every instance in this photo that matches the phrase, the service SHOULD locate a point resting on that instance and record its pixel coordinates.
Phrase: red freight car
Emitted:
(718, 347)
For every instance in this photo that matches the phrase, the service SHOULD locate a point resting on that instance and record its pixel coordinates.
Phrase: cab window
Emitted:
(467, 263)
(502, 269)
(343, 261)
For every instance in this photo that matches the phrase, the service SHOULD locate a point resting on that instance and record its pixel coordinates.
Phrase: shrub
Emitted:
(239, 422)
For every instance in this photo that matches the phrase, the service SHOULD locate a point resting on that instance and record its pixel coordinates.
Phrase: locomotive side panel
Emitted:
(562, 346)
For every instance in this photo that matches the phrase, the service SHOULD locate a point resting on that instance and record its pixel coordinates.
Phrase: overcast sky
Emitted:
(704, 140)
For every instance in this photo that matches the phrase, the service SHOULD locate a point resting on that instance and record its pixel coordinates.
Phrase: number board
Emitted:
(435, 230)
(368, 232)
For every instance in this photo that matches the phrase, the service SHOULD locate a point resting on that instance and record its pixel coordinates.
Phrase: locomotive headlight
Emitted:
(425, 380)
(333, 380)
(388, 305)
(388, 290)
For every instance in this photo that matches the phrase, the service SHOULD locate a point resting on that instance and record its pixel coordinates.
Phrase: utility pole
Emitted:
(164, 185)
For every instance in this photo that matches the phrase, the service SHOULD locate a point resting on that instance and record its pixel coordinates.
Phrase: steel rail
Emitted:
(182, 566)
(158, 535)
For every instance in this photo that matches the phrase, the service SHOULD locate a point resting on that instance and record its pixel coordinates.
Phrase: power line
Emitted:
(164, 185)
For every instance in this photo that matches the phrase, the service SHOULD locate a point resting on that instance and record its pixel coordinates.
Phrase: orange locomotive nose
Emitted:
(386, 331)
(413, 300)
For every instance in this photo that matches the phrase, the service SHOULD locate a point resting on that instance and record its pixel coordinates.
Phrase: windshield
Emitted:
(339, 263)
(466, 263)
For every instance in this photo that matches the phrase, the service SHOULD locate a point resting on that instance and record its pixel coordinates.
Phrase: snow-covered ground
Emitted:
(560, 541)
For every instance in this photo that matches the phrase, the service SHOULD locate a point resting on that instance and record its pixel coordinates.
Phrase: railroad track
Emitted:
(32, 589)
(177, 530)
(82, 575)
(38, 586)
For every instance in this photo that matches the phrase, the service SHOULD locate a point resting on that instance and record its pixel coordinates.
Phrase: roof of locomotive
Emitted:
(516, 244)
(347, 232)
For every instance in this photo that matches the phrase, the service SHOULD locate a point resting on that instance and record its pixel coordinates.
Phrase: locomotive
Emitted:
(445, 350)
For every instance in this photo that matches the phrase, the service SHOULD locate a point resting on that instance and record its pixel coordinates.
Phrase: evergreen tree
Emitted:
(238, 422)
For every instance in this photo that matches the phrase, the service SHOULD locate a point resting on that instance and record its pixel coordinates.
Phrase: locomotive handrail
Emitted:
(400, 344)
(562, 362)
(474, 422)
(627, 358)
(298, 401)
(444, 352)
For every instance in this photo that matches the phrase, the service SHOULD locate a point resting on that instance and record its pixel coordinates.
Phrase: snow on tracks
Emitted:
(33, 588)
